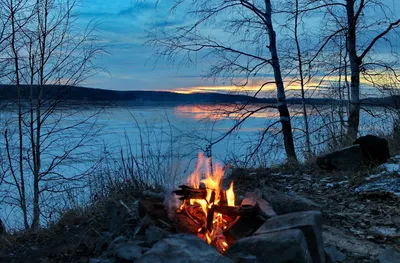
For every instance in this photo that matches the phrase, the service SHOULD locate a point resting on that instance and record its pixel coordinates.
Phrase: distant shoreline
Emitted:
(73, 94)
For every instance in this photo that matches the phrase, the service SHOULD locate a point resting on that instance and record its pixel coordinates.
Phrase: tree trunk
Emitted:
(42, 21)
(37, 164)
(20, 131)
(281, 97)
(354, 109)
(301, 74)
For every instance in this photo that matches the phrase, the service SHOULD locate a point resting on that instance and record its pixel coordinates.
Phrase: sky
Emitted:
(129, 62)
(122, 27)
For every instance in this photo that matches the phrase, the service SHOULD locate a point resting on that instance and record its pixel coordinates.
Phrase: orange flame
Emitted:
(212, 180)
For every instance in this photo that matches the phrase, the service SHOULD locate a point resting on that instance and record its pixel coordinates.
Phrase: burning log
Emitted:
(186, 193)
(235, 211)
(255, 198)
(245, 225)
(183, 224)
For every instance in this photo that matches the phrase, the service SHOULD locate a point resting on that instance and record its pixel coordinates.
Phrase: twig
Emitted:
(127, 208)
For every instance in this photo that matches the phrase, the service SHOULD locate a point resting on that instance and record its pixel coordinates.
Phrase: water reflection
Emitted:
(224, 112)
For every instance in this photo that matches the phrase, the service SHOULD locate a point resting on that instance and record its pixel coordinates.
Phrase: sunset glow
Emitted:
(315, 85)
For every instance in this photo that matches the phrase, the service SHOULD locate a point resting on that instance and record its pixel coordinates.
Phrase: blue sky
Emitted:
(122, 29)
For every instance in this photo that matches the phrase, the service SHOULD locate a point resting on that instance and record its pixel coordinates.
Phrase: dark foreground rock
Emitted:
(101, 260)
(389, 255)
(154, 234)
(375, 150)
(182, 248)
(345, 159)
(278, 247)
(383, 187)
(128, 252)
(334, 256)
(309, 222)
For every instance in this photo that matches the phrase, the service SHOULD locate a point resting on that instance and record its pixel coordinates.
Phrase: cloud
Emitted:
(123, 26)
(137, 8)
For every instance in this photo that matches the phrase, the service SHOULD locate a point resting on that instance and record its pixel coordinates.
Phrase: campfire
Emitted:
(213, 209)
(205, 206)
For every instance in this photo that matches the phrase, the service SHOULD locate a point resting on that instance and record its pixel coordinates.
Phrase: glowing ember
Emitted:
(213, 223)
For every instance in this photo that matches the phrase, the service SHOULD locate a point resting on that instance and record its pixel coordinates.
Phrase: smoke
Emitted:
(171, 203)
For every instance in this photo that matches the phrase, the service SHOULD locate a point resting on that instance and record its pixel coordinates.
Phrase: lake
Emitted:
(159, 144)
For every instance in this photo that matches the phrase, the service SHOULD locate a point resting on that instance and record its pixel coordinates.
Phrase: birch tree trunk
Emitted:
(355, 62)
(280, 88)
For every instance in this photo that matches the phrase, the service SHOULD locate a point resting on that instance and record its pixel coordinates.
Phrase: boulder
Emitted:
(154, 234)
(309, 222)
(375, 150)
(389, 255)
(128, 252)
(334, 256)
(276, 247)
(345, 159)
(101, 260)
(182, 248)
(284, 203)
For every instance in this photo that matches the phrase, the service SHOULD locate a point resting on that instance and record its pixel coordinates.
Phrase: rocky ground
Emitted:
(361, 220)
(361, 210)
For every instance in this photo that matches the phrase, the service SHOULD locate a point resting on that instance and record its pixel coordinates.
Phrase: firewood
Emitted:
(255, 198)
(234, 211)
(251, 218)
(186, 193)
(183, 224)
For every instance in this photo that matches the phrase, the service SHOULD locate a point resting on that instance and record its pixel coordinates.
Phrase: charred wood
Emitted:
(186, 193)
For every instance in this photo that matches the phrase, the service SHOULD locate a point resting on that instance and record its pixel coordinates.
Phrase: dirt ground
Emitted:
(371, 221)
(358, 226)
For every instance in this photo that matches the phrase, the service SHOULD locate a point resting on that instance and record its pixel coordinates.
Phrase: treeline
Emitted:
(72, 93)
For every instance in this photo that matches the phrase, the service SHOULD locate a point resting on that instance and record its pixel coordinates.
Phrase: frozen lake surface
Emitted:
(164, 142)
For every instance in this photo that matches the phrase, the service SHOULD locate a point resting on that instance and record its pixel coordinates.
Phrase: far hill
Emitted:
(71, 93)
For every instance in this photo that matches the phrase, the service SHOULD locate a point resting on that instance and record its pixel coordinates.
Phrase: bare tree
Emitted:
(14, 9)
(250, 49)
(48, 57)
(366, 23)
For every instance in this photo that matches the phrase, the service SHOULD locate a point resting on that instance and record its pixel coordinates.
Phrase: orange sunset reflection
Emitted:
(221, 112)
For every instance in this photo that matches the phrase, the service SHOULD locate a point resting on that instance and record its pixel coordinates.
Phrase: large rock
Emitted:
(101, 260)
(182, 248)
(334, 256)
(128, 252)
(309, 222)
(284, 203)
(345, 159)
(277, 247)
(154, 234)
(383, 187)
(375, 150)
(389, 255)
